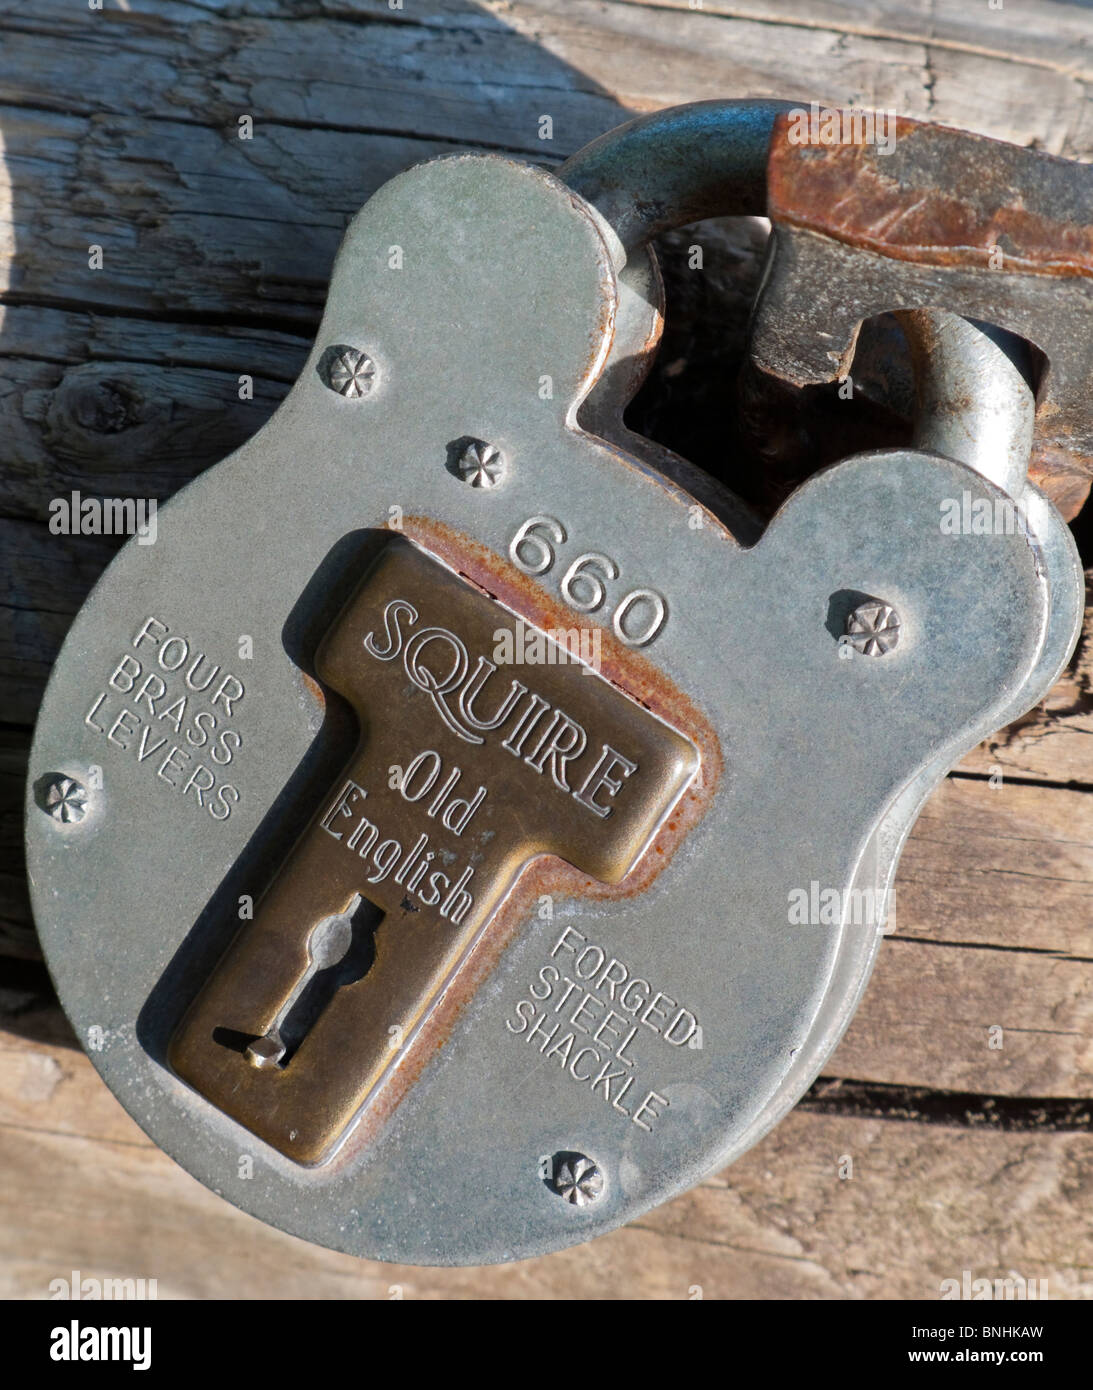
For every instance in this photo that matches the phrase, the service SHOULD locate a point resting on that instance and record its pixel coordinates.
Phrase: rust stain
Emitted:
(314, 688)
(905, 204)
(639, 678)
(1060, 476)
(634, 674)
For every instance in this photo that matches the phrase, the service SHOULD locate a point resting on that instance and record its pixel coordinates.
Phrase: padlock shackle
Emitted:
(974, 394)
(676, 166)
(973, 382)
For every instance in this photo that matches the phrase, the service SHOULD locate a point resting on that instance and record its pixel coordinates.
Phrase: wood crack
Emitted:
(954, 1109)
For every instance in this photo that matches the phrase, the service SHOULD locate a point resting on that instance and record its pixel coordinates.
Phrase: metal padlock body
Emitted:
(812, 766)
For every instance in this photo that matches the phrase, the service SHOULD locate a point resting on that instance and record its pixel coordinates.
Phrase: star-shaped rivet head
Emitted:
(579, 1181)
(481, 464)
(873, 628)
(66, 800)
(350, 372)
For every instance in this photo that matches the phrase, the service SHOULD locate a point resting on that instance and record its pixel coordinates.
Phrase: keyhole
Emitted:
(340, 950)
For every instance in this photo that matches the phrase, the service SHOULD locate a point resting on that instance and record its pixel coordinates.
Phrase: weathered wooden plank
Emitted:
(970, 1019)
(53, 1088)
(408, 74)
(333, 111)
(158, 181)
(993, 931)
(993, 92)
(1003, 868)
(39, 581)
(120, 407)
(410, 71)
(44, 578)
(1058, 38)
(922, 1205)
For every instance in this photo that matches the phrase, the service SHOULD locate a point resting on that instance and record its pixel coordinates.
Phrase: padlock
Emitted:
(463, 812)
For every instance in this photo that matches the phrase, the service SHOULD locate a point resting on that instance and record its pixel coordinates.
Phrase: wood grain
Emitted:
(922, 1205)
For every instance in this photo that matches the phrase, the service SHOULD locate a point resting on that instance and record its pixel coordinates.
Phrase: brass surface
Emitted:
(467, 769)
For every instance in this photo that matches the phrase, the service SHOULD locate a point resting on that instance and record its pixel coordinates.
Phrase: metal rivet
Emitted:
(873, 628)
(348, 371)
(266, 1051)
(481, 464)
(578, 1180)
(66, 800)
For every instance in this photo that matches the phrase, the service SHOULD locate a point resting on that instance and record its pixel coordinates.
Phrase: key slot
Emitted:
(341, 948)
(438, 860)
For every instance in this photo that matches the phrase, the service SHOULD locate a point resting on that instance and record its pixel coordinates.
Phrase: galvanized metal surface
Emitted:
(136, 902)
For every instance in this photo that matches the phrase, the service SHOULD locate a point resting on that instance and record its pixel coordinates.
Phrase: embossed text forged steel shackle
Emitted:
(454, 916)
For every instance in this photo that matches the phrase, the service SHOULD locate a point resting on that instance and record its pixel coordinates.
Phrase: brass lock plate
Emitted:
(467, 770)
